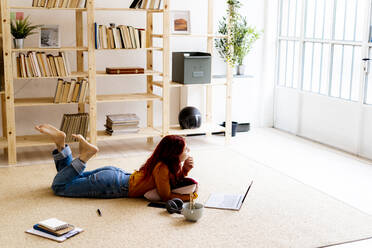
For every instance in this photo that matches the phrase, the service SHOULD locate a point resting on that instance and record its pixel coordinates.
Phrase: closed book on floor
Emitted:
(53, 224)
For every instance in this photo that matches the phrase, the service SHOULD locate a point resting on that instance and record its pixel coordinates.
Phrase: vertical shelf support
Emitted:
(166, 68)
(229, 78)
(209, 50)
(8, 76)
(80, 54)
(149, 65)
(92, 73)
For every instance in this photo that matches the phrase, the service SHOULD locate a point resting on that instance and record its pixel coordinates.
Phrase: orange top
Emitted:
(159, 179)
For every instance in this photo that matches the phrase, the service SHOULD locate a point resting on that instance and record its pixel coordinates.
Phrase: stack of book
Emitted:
(38, 64)
(59, 3)
(125, 70)
(145, 4)
(54, 229)
(75, 124)
(121, 124)
(119, 37)
(72, 91)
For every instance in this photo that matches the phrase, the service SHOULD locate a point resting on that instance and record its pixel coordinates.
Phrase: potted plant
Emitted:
(20, 29)
(242, 37)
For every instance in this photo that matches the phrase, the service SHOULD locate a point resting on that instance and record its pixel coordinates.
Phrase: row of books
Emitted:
(121, 124)
(145, 4)
(72, 91)
(54, 229)
(38, 64)
(75, 124)
(120, 37)
(59, 3)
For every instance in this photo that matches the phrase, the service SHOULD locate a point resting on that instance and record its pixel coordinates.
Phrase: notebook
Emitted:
(226, 201)
(62, 238)
(53, 224)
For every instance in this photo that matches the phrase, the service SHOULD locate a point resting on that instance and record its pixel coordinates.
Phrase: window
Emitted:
(324, 54)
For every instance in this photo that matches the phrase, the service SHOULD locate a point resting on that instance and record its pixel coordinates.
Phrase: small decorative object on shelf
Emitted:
(242, 37)
(180, 22)
(121, 123)
(75, 124)
(119, 37)
(59, 3)
(49, 36)
(20, 29)
(125, 70)
(145, 4)
(190, 118)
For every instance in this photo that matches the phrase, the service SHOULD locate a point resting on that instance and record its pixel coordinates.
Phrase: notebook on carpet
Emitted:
(227, 201)
(54, 229)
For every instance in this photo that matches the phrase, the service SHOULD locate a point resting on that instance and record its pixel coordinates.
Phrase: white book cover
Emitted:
(66, 63)
(37, 66)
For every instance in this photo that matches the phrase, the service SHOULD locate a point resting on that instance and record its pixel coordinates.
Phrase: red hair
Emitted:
(168, 151)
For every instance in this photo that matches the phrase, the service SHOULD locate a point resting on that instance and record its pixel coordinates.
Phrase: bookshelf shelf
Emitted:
(128, 97)
(43, 8)
(41, 101)
(179, 85)
(216, 36)
(131, 49)
(129, 9)
(147, 73)
(146, 132)
(73, 74)
(2, 92)
(205, 128)
(61, 49)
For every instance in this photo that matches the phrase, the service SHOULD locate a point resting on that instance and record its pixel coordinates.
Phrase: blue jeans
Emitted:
(72, 181)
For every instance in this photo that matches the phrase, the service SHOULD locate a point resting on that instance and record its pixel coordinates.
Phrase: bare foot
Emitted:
(57, 135)
(86, 149)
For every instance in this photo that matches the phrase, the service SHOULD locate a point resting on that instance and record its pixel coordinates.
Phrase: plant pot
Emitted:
(18, 43)
(240, 69)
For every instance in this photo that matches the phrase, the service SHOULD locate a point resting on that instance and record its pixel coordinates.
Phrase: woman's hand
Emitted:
(187, 165)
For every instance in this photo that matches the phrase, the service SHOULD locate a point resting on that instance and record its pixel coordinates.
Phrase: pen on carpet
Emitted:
(99, 212)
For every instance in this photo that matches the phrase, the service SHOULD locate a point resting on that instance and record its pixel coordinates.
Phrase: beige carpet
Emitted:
(278, 212)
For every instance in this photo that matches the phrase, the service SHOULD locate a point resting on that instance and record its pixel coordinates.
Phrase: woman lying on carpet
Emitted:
(155, 180)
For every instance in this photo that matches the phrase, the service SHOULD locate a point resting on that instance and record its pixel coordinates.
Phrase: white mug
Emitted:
(192, 214)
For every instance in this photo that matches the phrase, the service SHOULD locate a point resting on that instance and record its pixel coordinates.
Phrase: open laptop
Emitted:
(226, 201)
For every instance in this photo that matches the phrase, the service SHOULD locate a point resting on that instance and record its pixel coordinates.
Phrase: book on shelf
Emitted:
(125, 70)
(75, 124)
(54, 229)
(119, 37)
(38, 64)
(145, 4)
(72, 91)
(121, 119)
(117, 124)
(59, 3)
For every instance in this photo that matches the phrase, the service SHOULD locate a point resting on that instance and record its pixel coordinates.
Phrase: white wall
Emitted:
(27, 117)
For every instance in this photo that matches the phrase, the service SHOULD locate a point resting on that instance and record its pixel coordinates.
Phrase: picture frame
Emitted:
(180, 22)
(49, 36)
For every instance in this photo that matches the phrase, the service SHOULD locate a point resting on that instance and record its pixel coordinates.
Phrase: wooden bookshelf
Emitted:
(142, 133)
(147, 73)
(73, 75)
(86, 58)
(203, 129)
(179, 85)
(38, 49)
(46, 9)
(41, 101)
(130, 10)
(128, 97)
